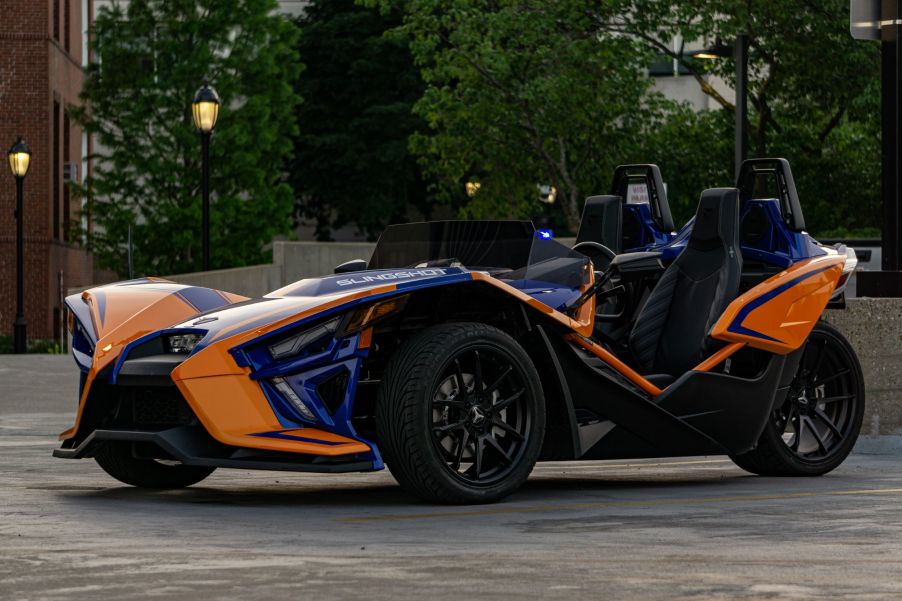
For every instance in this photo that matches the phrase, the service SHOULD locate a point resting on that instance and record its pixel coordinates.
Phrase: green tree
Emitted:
(150, 58)
(352, 163)
(522, 93)
(813, 91)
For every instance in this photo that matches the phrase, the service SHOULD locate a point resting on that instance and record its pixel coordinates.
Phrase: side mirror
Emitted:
(352, 266)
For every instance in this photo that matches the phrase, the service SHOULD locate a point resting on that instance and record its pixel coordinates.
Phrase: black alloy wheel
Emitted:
(814, 428)
(460, 414)
(819, 412)
(480, 422)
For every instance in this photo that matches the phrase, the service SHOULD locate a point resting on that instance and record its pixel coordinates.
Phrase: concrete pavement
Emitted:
(693, 528)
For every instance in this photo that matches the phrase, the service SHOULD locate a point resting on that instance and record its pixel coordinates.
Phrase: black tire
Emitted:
(118, 460)
(428, 410)
(830, 374)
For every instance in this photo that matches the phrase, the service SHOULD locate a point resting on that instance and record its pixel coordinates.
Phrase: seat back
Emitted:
(601, 222)
(671, 332)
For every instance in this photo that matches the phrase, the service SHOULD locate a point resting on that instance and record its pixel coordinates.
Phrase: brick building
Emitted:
(42, 52)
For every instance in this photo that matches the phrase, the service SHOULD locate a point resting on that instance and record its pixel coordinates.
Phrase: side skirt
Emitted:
(615, 421)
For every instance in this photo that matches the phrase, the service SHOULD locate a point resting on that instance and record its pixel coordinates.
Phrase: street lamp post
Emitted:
(882, 20)
(205, 110)
(19, 160)
(739, 50)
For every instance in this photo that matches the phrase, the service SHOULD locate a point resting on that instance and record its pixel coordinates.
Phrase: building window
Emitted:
(57, 171)
(67, 24)
(67, 210)
(56, 20)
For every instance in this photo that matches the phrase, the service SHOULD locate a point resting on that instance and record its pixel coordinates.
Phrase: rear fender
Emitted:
(779, 314)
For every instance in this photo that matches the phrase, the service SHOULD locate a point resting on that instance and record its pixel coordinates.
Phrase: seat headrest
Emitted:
(601, 222)
(716, 220)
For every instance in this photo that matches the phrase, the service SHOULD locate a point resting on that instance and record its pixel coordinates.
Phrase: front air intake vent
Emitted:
(332, 390)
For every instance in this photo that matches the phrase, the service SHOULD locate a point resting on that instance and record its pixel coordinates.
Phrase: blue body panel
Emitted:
(648, 234)
(776, 245)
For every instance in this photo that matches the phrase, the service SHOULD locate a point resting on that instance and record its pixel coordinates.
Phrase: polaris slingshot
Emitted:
(464, 351)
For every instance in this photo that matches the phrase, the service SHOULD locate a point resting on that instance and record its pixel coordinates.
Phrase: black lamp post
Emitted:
(739, 50)
(882, 20)
(19, 160)
(205, 110)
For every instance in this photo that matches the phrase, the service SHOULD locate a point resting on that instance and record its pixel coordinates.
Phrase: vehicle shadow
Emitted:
(375, 495)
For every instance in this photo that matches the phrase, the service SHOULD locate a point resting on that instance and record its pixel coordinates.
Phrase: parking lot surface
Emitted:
(686, 528)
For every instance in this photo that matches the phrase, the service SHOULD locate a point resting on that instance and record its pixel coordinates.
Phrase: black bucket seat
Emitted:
(670, 335)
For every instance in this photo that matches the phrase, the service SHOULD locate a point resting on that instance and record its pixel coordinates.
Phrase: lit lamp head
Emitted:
(19, 158)
(205, 108)
(718, 50)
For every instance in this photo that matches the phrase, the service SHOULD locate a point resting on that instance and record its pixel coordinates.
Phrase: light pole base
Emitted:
(879, 283)
(19, 336)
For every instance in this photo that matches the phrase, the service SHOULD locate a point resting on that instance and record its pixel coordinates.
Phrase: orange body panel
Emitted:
(128, 313)
(582, 324)
(778, 314)
(719, 357)
(233, 408)
(635, 377)
(625, 370)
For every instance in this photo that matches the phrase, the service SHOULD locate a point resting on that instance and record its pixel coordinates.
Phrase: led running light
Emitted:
(288, 392)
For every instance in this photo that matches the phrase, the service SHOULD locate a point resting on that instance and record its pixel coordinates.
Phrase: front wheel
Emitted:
(119, 461)
(460, 414)
(814, 429)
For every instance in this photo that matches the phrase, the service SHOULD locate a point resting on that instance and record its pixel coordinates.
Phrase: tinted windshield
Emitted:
(509, 250)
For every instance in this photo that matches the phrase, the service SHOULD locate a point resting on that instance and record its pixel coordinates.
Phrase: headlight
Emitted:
(183, 343)
(294, 345)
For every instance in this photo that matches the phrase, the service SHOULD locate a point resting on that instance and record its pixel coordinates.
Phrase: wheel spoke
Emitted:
(833, 399)
(459, 376)
(477, 374)
(830, 378)
(820, 357)
(788, 419)
(449, 427)
(505, 402)
(507, 428)
(462, 445)
(494, 386)
(451, 402)
(480, 447)
(505, 458)
(799, 427)
(828, 422)
(817, 436)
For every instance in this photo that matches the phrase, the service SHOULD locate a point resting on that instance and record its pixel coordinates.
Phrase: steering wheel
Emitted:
(600, 255)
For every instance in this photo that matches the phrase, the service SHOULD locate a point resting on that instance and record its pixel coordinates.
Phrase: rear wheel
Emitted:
(816, 426)
(119, 461)
(460, 414)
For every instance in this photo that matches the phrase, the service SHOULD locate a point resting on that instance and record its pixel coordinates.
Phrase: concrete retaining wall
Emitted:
(311, 259)
(874, 327)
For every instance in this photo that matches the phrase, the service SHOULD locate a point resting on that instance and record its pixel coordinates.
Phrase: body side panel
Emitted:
(778, 314)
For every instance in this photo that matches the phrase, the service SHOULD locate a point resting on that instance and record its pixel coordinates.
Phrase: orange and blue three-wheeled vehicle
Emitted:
(463, 352)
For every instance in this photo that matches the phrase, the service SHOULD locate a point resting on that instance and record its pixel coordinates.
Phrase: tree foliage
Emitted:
(814, 92)
(151, 57)
(521, 92)
(352, 163)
